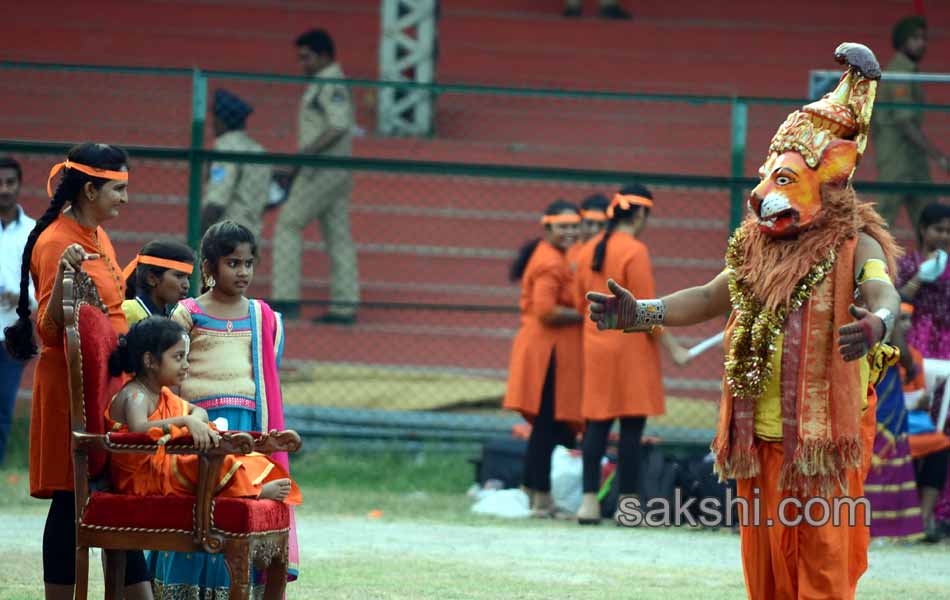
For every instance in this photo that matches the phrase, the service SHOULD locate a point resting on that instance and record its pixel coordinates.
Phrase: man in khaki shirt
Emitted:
(235, 191)
(325, 128)
(901, 148)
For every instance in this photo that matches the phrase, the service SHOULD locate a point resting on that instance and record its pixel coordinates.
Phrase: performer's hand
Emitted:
(617, 310)
(856, 339)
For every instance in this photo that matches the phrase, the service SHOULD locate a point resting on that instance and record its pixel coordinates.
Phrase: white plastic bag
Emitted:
(567, 479)
(510, 503)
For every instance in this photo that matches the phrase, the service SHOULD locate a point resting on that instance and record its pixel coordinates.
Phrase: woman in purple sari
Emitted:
(924, 281)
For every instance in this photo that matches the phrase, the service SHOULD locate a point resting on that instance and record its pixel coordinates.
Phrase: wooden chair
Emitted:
(245, 531)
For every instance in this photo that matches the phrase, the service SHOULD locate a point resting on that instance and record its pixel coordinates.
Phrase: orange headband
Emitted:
(156, 262)
(625, 201)
(91, 171)
(563, 218)
(594, 215)
(907, 308)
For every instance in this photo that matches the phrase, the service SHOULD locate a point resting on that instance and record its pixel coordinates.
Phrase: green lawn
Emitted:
(398, 525)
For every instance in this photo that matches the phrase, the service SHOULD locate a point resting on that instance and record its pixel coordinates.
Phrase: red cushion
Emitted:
(233, 515)
(97, 340)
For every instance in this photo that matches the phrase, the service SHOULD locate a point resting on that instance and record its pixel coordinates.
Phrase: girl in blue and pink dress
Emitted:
(236, 346)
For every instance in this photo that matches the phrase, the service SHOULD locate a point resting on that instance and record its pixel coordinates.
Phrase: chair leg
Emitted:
(82, 573)
(239, 569)
(276, 579)
(115, 574)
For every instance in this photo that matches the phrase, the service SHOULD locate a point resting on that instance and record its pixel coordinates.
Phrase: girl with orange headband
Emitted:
(621, 372)
(593, 221)
(544, 376)
(94, 186)
(157, 279)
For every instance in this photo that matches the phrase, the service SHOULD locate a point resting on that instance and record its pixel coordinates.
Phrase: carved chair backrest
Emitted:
(90, 339)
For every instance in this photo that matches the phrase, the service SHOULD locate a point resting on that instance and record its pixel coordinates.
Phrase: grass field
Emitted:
(399, 526)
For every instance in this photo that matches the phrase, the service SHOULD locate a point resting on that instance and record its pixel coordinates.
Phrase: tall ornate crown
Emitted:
(844, 113)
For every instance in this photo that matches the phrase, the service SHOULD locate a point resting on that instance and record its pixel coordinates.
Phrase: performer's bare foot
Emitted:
(278, 490)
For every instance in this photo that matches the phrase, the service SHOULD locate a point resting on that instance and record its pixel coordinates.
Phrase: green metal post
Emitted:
(199, 94)
(740, 126)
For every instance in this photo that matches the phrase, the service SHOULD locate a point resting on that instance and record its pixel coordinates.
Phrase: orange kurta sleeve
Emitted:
(44, 267)
(544, 293)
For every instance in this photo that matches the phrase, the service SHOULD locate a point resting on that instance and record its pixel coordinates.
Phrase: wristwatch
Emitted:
(888, 319)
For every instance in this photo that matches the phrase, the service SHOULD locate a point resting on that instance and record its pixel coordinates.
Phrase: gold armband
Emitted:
(873, 269)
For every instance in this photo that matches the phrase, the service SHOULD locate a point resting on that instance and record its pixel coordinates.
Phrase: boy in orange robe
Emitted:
(155, 350)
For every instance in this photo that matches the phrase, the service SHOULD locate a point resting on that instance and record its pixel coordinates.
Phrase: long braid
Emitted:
(600, 251)
(19, 337)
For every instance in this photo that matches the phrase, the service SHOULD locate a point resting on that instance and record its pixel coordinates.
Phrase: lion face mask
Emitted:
(818, 145)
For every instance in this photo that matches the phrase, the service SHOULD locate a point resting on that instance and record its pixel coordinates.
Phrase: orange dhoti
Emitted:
(177, 475)
(805, 562)
(798, 562)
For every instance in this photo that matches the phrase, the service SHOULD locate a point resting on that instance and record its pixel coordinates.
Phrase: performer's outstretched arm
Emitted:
(620, 310)
(875, 321)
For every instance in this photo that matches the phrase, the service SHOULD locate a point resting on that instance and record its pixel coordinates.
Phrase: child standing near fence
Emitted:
(157, 279)
(236, 346)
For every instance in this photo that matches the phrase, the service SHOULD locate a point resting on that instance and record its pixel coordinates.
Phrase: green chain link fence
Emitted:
(435, 221)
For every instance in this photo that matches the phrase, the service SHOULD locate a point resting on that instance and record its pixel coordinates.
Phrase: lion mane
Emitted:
(771, 268)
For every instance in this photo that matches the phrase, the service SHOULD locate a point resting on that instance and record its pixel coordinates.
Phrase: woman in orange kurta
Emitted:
(94, 182)
(544, 376)
(622, 377)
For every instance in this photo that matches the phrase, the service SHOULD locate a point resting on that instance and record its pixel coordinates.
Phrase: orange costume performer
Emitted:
(177, 475)
(822, 441)
(546, 284)
(797, 417)
(50, 469)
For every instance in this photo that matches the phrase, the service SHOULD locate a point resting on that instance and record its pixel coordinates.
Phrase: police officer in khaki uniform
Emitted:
(325, 121)
(235, 191)
(901, 148)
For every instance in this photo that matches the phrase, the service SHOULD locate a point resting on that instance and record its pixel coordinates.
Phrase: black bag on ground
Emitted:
(658, 477)
(502, 458)
(698, 481)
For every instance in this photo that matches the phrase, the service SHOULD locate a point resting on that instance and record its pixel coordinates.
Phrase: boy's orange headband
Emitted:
(563, 218)
(907, 308)
(164, 263)
(91, 171)
(625, 201)
(594, 215)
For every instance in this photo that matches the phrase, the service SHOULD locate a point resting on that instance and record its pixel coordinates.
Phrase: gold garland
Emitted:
(749, 364)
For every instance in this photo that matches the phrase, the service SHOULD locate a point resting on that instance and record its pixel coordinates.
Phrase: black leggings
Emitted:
(59, 546)
(932, 469)
(546, 433)
(628, 455)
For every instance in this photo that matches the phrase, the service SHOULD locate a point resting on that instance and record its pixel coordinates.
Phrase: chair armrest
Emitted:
(232, 442)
